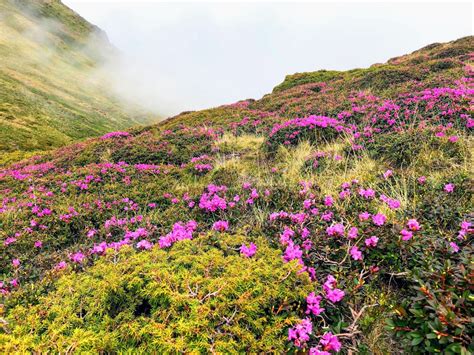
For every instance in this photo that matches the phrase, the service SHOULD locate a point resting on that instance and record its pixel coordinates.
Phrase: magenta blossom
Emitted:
(335, 230)
(454, 247)
(367, 193)
(330, 342)
(77, 257)
(372, 241)
(448, 188)
(406, 235)
(313, 304)
(356, 254)
(292, 252)
(144, 244)
(299, 334)
(328, 200)
(220, 226)
(115, 134)
(61, 265)
(249, 251)
(353, 233)
(387, 174)
(413, 225)
(332, 293)
(379, 219)
(318, 351)
(422, 180)
(335, 295)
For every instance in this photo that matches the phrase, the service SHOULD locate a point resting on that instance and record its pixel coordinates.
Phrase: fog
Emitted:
(188, 56)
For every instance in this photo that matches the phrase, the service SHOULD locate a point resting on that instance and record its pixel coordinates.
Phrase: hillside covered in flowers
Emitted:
(333, 215)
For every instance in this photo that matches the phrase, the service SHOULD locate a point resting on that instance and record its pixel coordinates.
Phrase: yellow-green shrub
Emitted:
(198, 296)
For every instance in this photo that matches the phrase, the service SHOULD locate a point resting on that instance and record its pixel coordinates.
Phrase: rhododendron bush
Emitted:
(323, 218)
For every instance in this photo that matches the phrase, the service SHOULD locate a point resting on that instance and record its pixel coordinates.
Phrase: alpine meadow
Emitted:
(332, 215)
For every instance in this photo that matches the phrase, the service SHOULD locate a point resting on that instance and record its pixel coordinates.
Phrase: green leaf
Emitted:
(416, 341)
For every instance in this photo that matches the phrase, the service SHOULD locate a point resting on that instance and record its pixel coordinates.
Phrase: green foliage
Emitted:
(309, 77)
(406, 148)
(433, 318)
(49, 95)
(200, 296)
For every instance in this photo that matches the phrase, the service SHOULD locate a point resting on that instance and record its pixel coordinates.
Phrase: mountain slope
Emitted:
(51, 91)
(334, 214)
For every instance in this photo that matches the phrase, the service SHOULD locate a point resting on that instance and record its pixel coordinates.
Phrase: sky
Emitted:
(186, 56)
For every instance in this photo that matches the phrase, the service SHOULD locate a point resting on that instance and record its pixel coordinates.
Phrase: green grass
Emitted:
(50, 91)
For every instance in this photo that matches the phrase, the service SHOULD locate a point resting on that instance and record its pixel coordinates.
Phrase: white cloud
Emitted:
(182, 56)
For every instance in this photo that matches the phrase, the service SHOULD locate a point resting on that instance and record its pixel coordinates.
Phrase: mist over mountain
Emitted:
(53, 89)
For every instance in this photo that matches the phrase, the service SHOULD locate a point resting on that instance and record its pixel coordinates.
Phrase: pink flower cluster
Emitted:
(248, 251)
(310, 122)
(332, 293)
(115, 135)
(179, 232)
(300, 333)
(220, 226)
(211, 201)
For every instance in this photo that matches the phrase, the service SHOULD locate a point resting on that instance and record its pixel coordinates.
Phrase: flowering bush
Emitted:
(129, 298)
(192, 236)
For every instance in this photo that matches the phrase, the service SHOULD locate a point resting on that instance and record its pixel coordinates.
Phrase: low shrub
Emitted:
(199, 296)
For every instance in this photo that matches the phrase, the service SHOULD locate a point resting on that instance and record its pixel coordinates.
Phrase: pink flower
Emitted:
(413, 225)
(335, 295)
(449, 188)
(356, 254)
(16, 262)
(330, 342)
(318, 351)
(286, 235)
(332, 293)
(313, 304)
(393, 204)
(61, 265)
(454, 247)
(465, 225)
(327, 216)
(292, 252)
(335, 230)
(364, 216)
(387, 174)
(353, 233)
(406, 235)
(77, 257)
(299, 334)
(307, 204)
(328, 200)
(367, 194)
(372, 241)
(379, 219)
(453, 139)
(422, 180)
(38, 244)
(179, 232)
(144, 244)
(91, 233)
(220, 226)
(249, 251)
(115, 134)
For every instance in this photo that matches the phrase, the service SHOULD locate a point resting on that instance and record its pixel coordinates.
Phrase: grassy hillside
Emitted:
(332, 215)
(50, 91)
